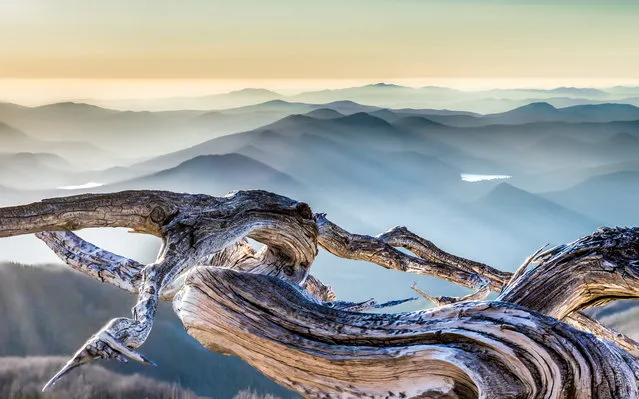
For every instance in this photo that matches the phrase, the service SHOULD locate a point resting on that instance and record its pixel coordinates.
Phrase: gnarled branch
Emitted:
(377, 250)
(433, 261)
(466, 350)
(93, 261)
(263, 306)
(191, 227)
(591, 271)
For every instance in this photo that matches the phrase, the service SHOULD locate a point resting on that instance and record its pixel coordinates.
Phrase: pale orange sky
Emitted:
(328, 39)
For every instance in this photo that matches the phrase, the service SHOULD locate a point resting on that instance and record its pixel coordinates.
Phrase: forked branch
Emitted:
(263, 305)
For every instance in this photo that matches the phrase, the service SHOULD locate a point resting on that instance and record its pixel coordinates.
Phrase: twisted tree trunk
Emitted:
(466, 350)
(265, 307)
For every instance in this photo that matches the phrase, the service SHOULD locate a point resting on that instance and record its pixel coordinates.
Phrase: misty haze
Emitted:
(488, 129)
(539, 174)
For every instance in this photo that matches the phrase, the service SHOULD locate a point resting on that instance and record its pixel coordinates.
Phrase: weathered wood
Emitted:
(381, 250)
(318, 289)
(142, 211)
(433, 261)
(191, 227)
(94, 261)
(586, 323)
(263, 306)
(425, 249)
(466, 350)
(590, 271)
(479, 295)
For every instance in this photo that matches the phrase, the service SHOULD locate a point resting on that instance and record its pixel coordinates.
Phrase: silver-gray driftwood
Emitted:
(533, 341)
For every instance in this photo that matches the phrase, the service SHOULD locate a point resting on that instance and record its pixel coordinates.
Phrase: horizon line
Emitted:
(33, 91)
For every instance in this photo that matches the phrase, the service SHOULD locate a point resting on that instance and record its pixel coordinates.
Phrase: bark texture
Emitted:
(466, 350)
(263, 306)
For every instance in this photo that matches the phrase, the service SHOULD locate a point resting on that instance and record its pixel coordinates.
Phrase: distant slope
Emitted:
(544, 112)
(128, 134)
(558, 149)
(215, 174)
(569, 176)
(324, 113)
(34, 170)
(28, 159)
(387, 95)
(15, 140)
(236, 98)
(606, 112)
(290, 107)
(417, 122)
(360, 130)
(143, 134)
(528, 214)
(535, 112)
(12, 139)
(611, 198)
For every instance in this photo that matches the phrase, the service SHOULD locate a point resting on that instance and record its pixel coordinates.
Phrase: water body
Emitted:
(82, 186)
(472, 178)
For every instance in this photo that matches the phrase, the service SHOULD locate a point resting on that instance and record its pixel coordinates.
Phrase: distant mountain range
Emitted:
(558, 173)
(495, 143)
(215, 174)
(126, 136)
(533, 216)
(608, 197)
(544, 112)
(386, 95)
(14, 140)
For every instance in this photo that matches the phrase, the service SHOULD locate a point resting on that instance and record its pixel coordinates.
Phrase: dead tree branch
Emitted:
(263, 306)
(466, 350)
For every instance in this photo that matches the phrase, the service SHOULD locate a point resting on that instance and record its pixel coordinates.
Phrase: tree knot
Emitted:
(304, 210)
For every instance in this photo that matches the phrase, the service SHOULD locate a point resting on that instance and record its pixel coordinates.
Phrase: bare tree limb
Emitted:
(341, 243)
(590, 271)
(318, 289)
(124, 273)
(366, 305)
(524, 266)
(93, 261)
(466, 350)
(263, 306)
(142, 211)
(479, 295)
(191, 226)
(402, 237)
(379, 250)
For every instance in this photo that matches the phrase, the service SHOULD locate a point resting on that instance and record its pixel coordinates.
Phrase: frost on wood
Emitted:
(262, 305)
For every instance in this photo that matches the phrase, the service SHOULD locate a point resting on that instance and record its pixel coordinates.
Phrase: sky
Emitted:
(257, 40)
